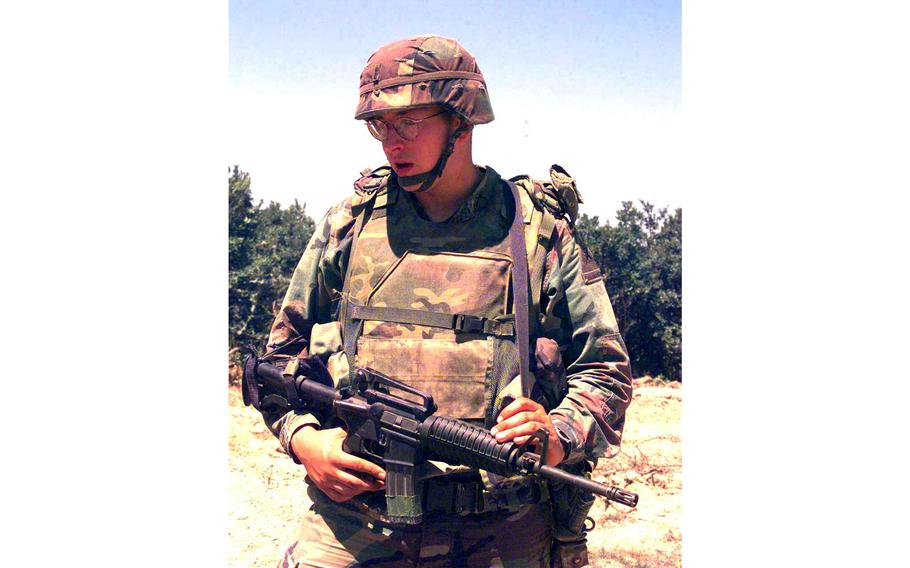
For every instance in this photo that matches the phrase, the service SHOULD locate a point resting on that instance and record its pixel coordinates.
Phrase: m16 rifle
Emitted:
(401, 431)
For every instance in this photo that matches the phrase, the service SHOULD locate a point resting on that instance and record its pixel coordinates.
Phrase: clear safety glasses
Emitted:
(407, 128)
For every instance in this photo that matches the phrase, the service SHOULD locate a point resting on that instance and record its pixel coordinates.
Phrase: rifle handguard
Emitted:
(462, 443)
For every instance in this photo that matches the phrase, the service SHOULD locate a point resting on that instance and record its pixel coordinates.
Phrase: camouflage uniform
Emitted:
(407, 263)
(336, 534)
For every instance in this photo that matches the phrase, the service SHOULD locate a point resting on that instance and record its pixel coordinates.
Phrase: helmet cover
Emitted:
(423, 71)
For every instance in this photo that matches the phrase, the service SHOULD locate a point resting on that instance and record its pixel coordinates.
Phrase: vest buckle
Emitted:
(468, 323)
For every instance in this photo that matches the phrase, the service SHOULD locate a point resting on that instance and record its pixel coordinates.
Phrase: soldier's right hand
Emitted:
(337, 473)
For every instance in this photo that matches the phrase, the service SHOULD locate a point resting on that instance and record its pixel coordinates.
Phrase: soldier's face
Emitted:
(411, 157)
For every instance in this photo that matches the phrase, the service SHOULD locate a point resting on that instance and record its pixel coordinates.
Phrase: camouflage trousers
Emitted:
(340, 535)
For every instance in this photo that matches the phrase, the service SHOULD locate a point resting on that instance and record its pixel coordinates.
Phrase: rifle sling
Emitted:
(521, 301)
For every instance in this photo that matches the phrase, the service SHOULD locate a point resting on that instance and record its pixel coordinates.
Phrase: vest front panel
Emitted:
(404, 261)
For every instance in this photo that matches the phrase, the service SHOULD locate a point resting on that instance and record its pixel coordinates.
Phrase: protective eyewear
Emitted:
(407, 128)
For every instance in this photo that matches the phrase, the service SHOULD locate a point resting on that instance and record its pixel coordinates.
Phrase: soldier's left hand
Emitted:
(522, 418)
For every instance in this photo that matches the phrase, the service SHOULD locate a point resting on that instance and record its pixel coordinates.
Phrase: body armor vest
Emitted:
(430, 303)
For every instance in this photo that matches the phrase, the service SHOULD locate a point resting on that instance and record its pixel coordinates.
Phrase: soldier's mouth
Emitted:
(402, 167)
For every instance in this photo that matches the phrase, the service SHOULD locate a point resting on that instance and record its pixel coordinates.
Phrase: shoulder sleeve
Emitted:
(578, 316)
(316, 283)
(312, 298)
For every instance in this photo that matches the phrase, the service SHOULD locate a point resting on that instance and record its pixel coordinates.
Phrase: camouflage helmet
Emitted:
(423, 71)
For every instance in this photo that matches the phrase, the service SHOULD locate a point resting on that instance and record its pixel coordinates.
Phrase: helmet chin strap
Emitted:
(429, 177)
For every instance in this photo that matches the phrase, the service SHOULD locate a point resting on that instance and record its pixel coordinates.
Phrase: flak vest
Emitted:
(432, 303)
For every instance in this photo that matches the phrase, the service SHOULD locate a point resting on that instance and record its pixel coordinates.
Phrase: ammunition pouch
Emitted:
(570, 507)
(569, 554)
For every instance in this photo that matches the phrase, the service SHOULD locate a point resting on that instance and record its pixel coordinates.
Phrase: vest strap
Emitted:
(500, 327)
(544, 242)
(350, 328)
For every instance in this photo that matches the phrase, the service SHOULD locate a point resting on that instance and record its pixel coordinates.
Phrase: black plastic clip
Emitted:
(468, 323)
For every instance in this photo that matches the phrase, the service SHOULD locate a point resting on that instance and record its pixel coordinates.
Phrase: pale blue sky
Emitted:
(594, 86)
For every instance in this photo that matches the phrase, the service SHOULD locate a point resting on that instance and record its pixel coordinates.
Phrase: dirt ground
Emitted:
(266, 495)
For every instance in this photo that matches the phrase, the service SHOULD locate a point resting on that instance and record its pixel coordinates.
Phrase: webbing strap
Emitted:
(521, 301)
(426, 179)
(350, 328)
(544, 238)
(500, 327)
(471, 497)
(420, 78)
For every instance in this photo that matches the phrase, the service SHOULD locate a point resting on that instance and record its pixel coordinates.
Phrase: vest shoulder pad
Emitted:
(558, 197)
(371, 181)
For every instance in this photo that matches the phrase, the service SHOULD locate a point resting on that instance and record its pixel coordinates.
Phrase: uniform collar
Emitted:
(484, 195)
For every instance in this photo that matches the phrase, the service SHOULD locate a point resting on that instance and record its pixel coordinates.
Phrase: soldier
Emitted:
(431, 234)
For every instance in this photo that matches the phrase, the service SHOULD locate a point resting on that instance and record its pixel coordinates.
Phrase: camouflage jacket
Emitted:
(575, 313)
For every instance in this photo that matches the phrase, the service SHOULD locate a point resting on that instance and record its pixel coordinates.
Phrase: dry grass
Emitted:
(649, 464)
(266, 494)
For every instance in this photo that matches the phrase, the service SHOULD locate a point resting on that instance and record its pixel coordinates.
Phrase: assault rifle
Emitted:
(400, 432)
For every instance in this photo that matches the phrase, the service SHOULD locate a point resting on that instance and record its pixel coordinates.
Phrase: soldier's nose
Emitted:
(393, 143)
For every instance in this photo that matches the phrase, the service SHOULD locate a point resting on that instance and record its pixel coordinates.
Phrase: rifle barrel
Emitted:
(612, 493)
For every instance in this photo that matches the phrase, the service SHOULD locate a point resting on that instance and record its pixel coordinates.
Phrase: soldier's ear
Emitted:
(455, 121)
(466, 127)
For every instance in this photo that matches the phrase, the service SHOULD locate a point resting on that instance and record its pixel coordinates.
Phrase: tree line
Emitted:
(264, 245)
(640, 254)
